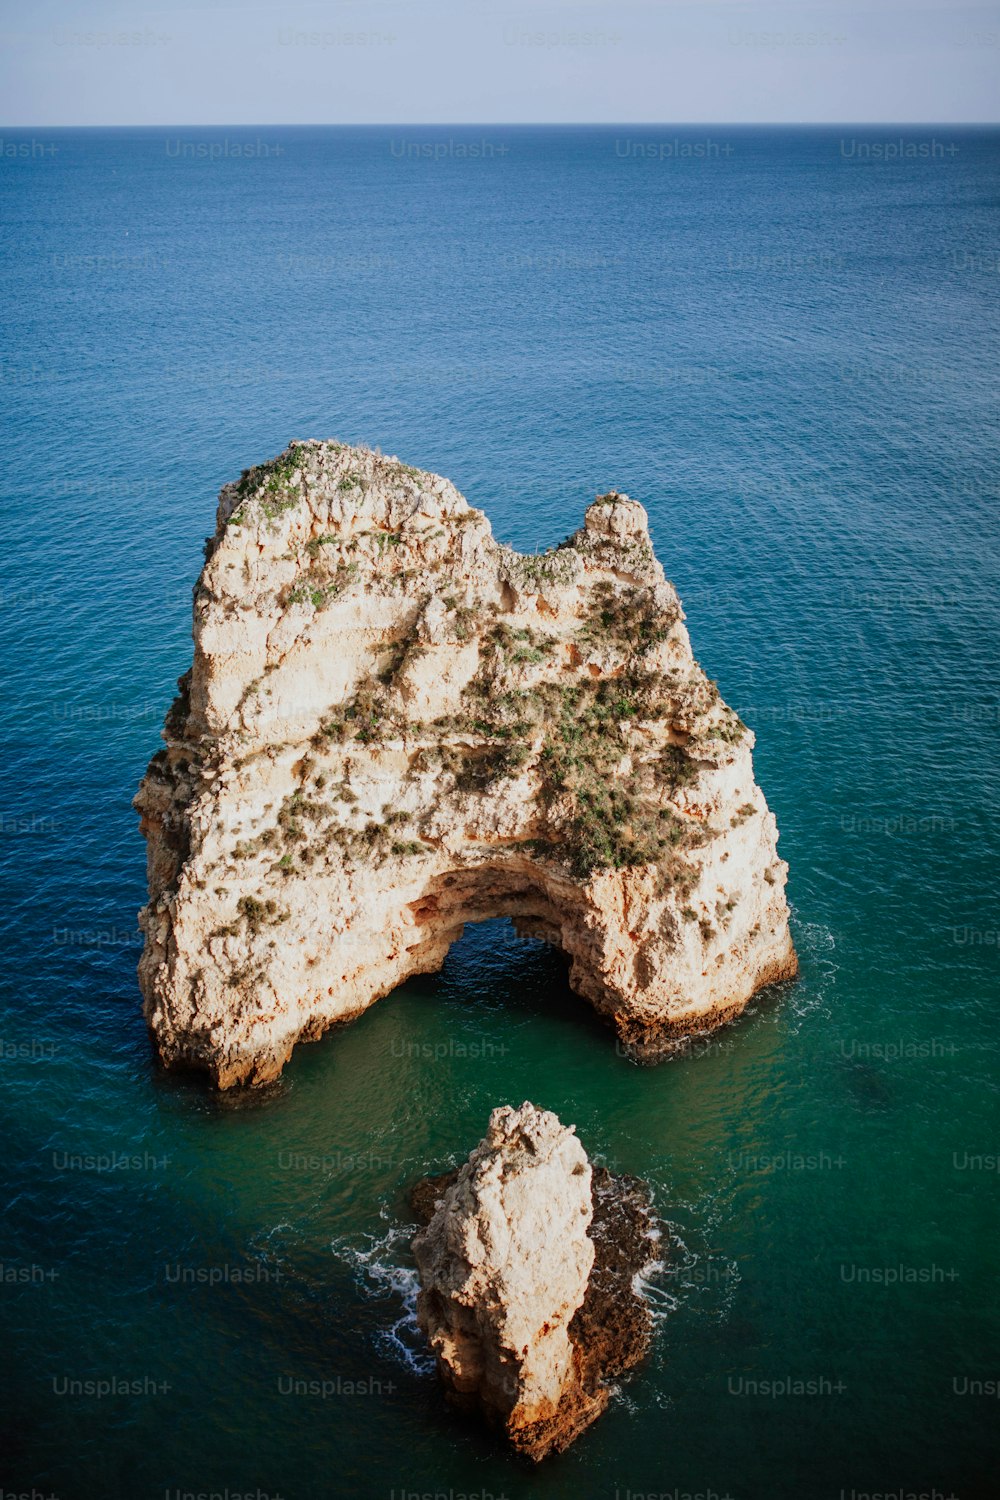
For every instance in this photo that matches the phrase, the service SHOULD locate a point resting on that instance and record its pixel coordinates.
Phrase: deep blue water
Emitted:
(787, 348)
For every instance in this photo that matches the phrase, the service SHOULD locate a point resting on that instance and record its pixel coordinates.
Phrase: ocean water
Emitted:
(785, 344)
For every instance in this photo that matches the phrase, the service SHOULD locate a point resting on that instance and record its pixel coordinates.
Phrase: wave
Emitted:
(380, 1273)
(703, 1280)
(811, 994)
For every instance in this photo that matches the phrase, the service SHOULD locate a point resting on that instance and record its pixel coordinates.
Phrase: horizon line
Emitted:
(519, 125)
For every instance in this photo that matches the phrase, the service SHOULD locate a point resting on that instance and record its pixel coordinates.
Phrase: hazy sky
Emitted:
(465, 61)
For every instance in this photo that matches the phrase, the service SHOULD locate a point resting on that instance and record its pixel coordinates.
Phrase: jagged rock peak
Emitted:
(526, 1317)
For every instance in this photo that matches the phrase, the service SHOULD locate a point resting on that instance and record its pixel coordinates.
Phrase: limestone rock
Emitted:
(526, 1318)
(394, 725)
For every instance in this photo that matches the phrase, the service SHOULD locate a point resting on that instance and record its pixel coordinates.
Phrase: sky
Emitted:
(509, 61)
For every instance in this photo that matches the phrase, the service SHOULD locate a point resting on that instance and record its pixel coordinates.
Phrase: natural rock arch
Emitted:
(390, 714)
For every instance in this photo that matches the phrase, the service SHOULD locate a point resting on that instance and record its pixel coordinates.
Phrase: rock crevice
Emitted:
(394, 725)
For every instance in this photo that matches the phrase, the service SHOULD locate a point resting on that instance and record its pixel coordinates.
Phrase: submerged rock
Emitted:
(394, 725)
(527, 1269)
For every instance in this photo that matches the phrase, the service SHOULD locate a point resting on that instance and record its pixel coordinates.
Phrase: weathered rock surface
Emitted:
(526, 1269)
(394, 725)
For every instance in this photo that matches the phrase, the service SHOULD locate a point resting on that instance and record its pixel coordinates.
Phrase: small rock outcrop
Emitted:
(394, 725)
(527, 1269)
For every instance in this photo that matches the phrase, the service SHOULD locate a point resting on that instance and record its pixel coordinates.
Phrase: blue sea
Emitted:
(785, 344)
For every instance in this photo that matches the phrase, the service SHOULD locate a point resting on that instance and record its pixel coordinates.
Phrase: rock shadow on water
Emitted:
(494, 972)
(189, 1091)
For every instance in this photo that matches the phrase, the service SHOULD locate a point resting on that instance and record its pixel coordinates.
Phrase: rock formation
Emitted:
(394, 725)
(526, 1268)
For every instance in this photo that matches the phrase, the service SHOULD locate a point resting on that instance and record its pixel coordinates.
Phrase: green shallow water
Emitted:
(780, 1161)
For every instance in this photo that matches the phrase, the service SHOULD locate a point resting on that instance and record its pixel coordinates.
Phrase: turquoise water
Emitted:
(788, 353)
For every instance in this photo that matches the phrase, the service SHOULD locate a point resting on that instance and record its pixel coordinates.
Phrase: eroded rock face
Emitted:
(526, 1317)
(394, 725)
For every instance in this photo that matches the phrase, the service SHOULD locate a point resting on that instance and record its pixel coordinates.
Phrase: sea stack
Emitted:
(527, 1275)
(394, 725)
